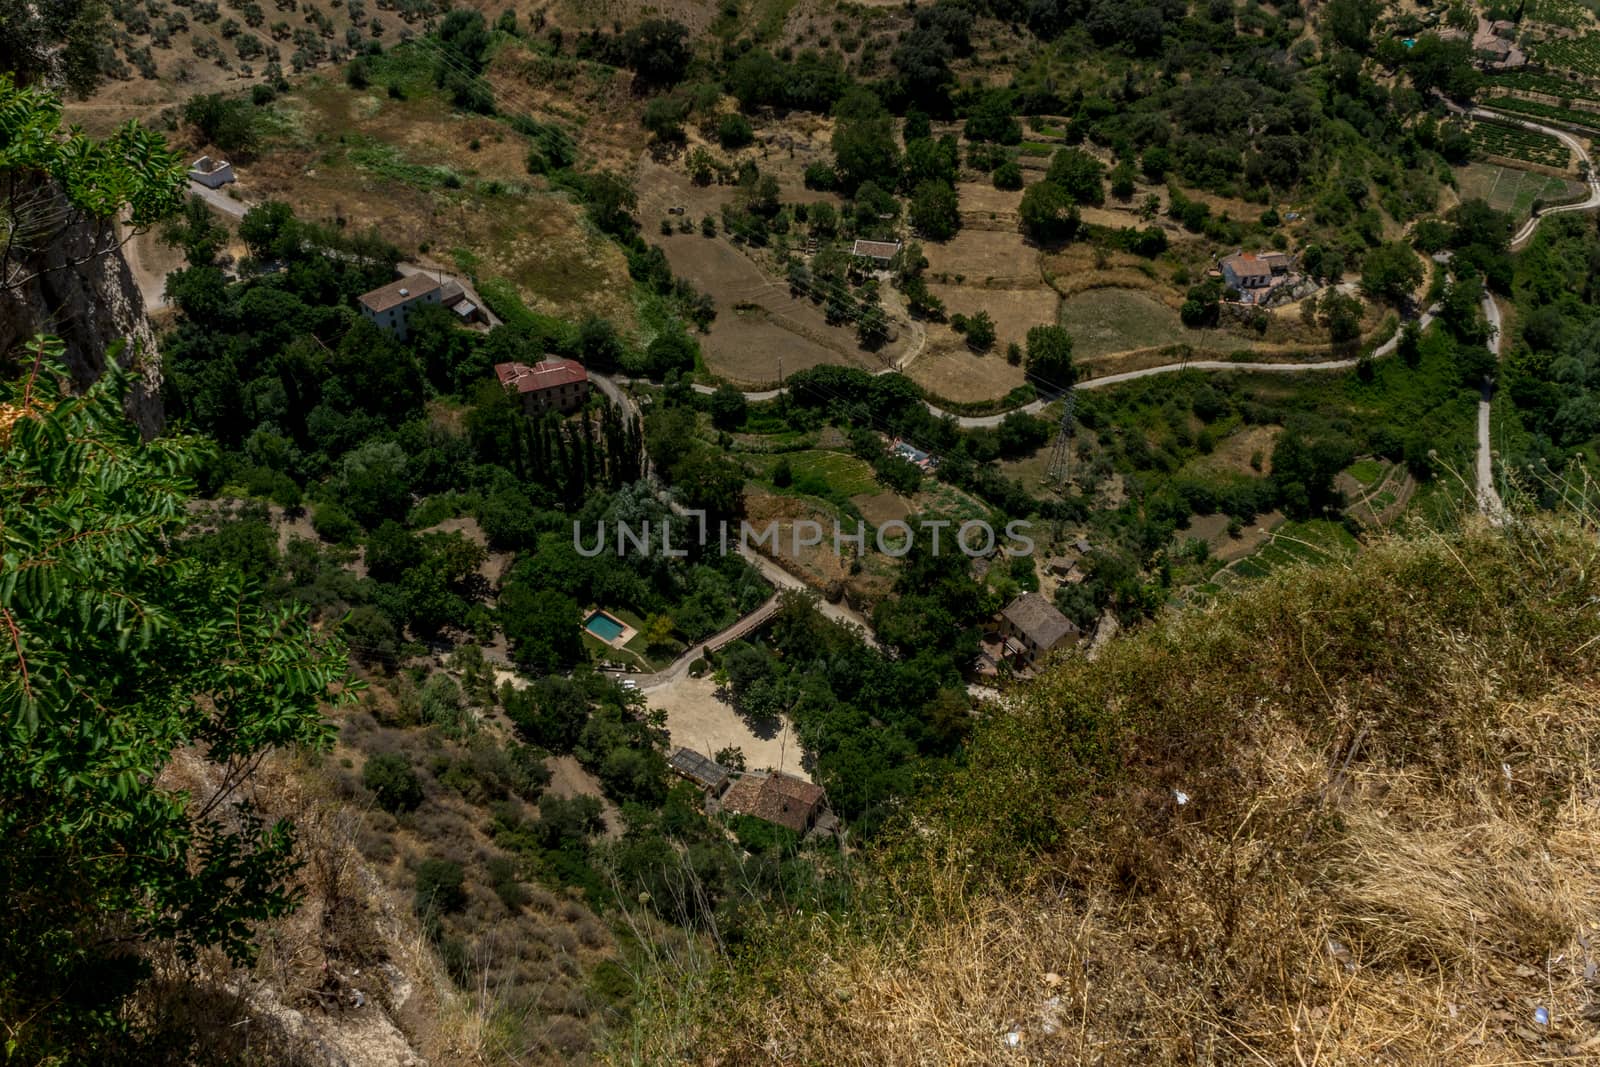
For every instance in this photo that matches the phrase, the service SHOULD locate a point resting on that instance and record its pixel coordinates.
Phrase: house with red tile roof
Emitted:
(549, 385)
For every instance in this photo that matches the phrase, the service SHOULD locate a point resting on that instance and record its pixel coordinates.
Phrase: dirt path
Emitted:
(150, 277)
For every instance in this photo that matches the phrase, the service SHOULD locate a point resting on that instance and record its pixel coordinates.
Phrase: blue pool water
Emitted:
(603, 626)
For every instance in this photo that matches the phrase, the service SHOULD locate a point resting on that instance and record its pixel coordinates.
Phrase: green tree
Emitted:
(1390, 272)
(1305, 459)
(864, 147)
(196, 232)
(120, 654)
(542, 627)
(1050, 356)
(728, 407)
(934, 210)
(1048, 213)
(980, 331)
(441, 887)
(1080, 174)
(1340, 314)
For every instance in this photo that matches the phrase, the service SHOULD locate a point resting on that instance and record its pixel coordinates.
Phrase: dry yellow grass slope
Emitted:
(1352, 817)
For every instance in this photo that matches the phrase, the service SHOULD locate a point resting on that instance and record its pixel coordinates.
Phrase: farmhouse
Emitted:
(1032, 627)
(390, 305)
(211, 173)
(878, 253)
(1255, 275)
(778, 798)
(549, 385)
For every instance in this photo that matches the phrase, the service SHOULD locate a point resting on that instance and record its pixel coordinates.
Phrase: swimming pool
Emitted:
(603, 626)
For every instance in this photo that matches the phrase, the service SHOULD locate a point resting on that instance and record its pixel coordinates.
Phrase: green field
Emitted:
(1510, 190)
(1119, 320)
(1311, 541)
(1366, 471)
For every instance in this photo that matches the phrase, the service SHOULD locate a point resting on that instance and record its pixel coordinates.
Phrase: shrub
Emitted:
(734, 131)
(392, 782)
(440, 887)
(821, 176)
(333, 523)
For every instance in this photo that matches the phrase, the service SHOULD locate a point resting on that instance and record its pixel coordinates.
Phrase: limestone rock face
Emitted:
(76, 286)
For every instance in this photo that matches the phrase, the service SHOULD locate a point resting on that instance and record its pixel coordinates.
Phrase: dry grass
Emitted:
(1389, 849)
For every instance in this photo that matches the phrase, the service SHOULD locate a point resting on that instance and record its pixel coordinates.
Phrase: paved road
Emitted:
(219, 199)
(1589, 204)
(1488, 497)
(1033, 407)
(742, 627)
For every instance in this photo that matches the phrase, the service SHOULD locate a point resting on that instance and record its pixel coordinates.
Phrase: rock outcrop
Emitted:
(76, 286)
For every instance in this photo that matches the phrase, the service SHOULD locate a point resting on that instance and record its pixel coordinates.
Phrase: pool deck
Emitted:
(628, 632)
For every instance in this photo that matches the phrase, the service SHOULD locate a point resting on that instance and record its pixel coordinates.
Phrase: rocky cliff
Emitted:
(76, 286)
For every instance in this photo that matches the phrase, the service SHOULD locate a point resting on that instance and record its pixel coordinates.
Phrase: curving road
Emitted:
(1524, 234)
(1033, 407)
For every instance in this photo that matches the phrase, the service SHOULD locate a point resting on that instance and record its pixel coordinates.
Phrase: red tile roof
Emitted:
(546, 374)
(776, 798)
(1246, 265)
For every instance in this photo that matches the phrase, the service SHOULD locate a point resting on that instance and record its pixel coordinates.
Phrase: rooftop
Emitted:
(546, 374)
(876, 249)
(1247, 265)
(400, 291)
(698, 768)
(777, 798)
(1038, 618)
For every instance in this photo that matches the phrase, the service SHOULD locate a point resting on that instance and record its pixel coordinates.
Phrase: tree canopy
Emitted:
(119, 655)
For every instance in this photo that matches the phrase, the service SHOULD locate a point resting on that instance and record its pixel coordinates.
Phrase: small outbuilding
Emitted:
(878, 253)
(708, 774)
(212, 173)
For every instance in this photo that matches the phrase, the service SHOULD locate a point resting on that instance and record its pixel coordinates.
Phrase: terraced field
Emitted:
(1551, 84)
(1511, 190)
(1578, 54)
(1311, 541)
(1514, 142)
(1535, 110)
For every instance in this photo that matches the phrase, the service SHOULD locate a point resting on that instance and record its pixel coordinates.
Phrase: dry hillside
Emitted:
(1352, 816)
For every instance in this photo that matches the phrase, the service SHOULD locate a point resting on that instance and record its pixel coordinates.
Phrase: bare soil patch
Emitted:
(758, 320)
(699, 720)
(1213, 530)
(984, 258)
(536, 239)
(568, 779)
(1234, 452)
(879, 508)
(1014, 311)
(951, 370)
